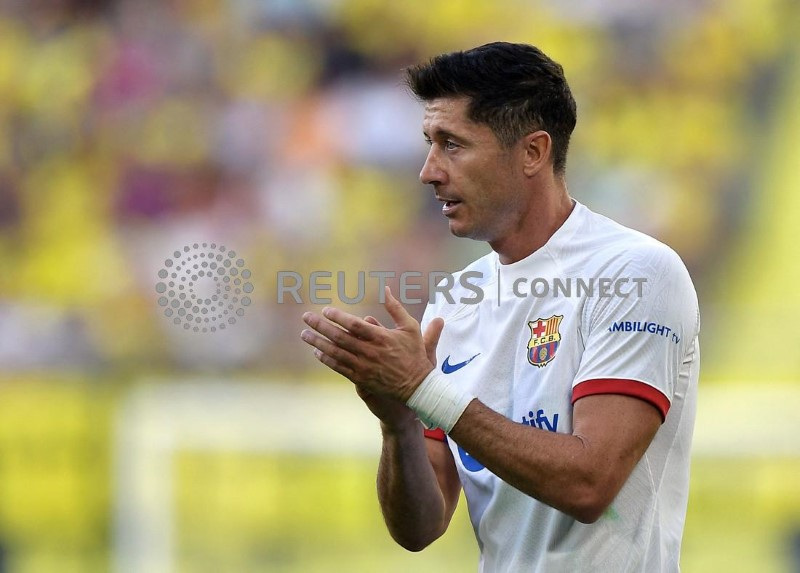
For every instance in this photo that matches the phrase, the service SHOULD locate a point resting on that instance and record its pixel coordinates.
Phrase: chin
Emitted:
(458, 230)
(465, 232)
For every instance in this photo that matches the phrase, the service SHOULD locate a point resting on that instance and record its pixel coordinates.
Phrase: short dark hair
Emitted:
(515, 89)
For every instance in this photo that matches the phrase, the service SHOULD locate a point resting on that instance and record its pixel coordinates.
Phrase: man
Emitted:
(565, 397)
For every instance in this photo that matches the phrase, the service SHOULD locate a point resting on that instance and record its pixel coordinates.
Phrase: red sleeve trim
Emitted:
(632, 388)
(435, 434)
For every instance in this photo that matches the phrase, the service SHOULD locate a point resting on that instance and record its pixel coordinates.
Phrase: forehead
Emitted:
(448, 114)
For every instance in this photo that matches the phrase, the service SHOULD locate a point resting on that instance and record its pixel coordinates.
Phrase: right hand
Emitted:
(391, 412)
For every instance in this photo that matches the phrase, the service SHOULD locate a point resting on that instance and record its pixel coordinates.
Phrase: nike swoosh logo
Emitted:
(448, 368)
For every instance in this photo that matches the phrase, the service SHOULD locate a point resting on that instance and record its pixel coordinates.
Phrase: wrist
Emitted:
(438, 402)
(409, 389)
(401, 426)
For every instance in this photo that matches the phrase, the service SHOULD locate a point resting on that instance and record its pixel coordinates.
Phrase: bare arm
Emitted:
(579, 473)
(418, 486)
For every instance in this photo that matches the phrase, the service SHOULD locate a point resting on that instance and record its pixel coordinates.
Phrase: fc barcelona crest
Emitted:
(544, 341)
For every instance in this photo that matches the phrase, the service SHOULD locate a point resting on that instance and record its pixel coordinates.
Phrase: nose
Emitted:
(432, 172)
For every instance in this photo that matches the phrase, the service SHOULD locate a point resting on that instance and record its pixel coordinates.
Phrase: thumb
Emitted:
(399, 314)
(431, 338)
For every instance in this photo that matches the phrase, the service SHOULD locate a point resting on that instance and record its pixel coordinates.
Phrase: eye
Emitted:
(451, 145)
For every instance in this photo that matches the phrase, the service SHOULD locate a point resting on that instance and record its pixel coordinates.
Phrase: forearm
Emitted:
(411, 499)
(557, 469)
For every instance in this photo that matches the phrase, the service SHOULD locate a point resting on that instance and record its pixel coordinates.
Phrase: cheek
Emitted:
(478, 179)
(488, 190)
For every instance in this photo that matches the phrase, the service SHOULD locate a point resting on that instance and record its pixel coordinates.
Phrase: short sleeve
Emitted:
(636, 338)
(435, 434)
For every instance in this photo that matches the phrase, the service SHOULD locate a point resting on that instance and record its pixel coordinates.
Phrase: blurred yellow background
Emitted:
(279, 128)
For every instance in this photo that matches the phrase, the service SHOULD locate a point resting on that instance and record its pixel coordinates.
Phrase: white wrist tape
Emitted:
(438, 403)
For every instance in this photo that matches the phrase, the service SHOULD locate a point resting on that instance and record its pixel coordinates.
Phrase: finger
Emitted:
(431, 337)
(399, 314)
(334, 364)
(332, 332)
(373, 320)
(359, 328)
(328, 348)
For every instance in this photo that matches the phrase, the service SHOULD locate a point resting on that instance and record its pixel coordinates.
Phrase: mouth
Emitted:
(449, 205)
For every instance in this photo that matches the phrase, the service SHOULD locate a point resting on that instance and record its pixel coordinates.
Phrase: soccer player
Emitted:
(562, 400)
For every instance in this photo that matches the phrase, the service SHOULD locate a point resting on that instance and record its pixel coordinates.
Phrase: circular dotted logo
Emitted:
(204, 287)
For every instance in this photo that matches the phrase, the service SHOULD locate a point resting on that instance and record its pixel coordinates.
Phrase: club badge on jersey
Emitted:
(544, 341)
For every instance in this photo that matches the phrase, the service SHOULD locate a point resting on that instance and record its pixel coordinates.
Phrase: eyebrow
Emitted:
(443, 133)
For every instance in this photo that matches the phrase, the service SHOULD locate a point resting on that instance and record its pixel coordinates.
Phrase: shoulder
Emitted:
(479, 272)
(466, 286)
(658, 282)
(482, 269)
(607, 247)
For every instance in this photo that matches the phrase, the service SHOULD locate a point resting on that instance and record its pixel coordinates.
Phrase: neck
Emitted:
(547, 210)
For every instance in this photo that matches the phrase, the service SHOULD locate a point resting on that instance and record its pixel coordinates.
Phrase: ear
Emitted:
(537, 148)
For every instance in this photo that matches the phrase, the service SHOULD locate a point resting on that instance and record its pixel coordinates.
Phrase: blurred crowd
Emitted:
(280, 128)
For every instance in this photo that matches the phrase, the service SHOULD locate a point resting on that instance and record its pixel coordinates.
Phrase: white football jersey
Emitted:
(600, 308)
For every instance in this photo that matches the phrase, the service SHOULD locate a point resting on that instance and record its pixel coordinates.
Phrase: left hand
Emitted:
(384, 361)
